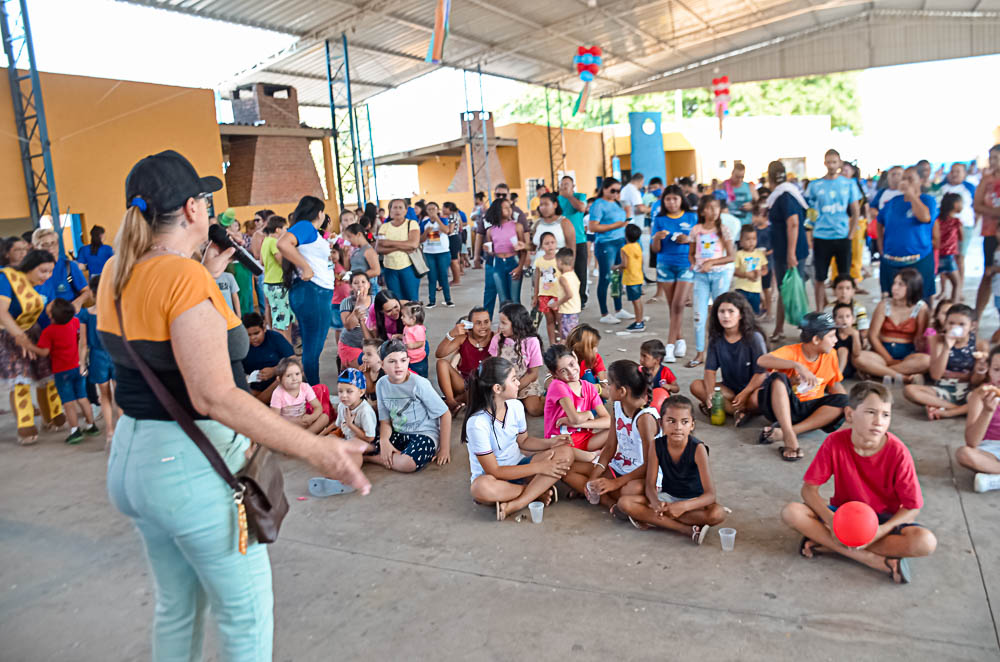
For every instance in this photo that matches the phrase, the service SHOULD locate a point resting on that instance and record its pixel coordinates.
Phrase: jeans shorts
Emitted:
(669, 273)
(99, 367)
(633, 292)
(335, 321)
(71, 385)
(991, 447)
(947, 264)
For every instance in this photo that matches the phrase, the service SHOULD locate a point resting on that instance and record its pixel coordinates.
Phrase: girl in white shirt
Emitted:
(496, 431)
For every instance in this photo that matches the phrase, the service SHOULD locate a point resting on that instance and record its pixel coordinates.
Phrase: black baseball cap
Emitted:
(165, 181)
(816, 324)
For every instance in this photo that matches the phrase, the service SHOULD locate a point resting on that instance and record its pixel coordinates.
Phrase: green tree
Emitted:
(833, 94)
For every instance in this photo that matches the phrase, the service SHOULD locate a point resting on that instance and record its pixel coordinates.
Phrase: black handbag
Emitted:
(258, 488)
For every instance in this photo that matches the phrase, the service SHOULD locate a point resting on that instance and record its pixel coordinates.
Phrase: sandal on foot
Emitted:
(698, 533)
(693, 363)
(617, 513)
(741, 418)
(554, 498)
(765, 435)
(27, 441)
(705, 409)
(776, 337)
(802, 548)
(902, 569)
(798, 454)
(642, 526)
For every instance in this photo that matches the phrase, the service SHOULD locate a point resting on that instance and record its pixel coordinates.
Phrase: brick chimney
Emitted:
(268, 169)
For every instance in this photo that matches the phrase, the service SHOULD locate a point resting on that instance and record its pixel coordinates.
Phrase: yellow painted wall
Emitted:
(98, 129)
(681, 164)
(436, 174)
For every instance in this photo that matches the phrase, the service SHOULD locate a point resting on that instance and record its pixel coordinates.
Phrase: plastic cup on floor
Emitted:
(593, 495)
(536, 508)
(728, 537)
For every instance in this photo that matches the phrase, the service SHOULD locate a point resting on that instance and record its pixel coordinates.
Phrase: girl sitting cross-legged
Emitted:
(496, 431)
(573, 406)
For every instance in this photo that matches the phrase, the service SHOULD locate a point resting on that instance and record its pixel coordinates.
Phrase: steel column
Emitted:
(333, 124)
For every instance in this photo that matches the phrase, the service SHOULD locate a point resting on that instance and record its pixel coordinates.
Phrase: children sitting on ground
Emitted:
(355, 417)
(517, 341)
(292, 395)
(547, 287)
(735, 343)
(711, 251)
(415, 336)
(621, 469)
(573, 406)
(583, 342)
(844, 291)
(414, 423)
(685, 499)
(897, 332)
(750, 268)
(936, 325)
(469, 342)
(371, 367)
(632, 276)
(60, 341)
(981, 452)
(848, 345)
(660, 380)
(568, 303)
(496, 432)
(804, 390)
(871, 465)
(947, 237)
(100, 372)
(958, 364)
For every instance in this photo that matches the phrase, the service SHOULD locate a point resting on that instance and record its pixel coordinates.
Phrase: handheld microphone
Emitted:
(218, 236)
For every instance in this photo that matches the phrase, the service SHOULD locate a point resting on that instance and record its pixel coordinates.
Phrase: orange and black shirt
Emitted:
(158, 292)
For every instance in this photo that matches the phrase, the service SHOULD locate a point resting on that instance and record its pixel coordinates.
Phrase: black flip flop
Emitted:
(802, 546)
(765, 436)
(703, 408)
(741, 419)
(791, 458)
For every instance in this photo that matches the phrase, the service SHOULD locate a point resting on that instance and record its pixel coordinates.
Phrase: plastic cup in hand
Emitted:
(593, 495)
(728, 537)
(536, 508)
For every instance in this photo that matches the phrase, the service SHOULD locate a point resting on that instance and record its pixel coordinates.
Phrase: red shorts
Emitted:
(347, 354)
(581, 438)
(545, 303)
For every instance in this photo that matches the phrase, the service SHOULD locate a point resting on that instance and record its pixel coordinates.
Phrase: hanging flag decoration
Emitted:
(435, 50)
(588, 62)
(721, 88)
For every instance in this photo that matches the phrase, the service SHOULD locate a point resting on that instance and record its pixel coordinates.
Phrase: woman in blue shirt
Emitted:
(94, 255)
(905, 234)
(312, 285)
(607, 221)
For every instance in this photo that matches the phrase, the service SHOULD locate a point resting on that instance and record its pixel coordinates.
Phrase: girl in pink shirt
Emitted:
(573, 406)
(518, 342)
(415, 335)
(292, 395)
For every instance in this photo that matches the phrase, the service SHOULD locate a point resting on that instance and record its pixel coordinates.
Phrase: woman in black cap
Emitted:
(178, 323)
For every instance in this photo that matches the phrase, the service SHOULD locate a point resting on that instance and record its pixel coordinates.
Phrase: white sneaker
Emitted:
(669, 356)
(681, 348)
(610, 319)
(624, 315)
(986, 482)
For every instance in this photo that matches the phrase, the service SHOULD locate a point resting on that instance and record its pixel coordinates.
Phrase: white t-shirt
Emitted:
(364, 418)
(437, 238)
(967, 192)
(316, 251)
(487, 435)
(630, 453)
(632, 196)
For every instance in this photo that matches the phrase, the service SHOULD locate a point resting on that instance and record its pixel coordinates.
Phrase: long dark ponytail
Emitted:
(494, 370)
(96, 239)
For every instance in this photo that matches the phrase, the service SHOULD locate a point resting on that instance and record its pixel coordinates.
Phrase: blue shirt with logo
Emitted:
(831, 198)
(905, 236)
(671, 253)
(605, 212)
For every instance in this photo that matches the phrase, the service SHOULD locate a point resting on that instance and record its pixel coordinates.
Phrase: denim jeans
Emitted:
(185, 514)
(404, 283)
(490, 289)
(608, 254)
(311, 305)
(508, 289)
(439, 264)
(261, 297)
(706, 286)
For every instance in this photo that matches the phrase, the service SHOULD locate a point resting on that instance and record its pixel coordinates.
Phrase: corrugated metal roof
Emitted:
(649, 45)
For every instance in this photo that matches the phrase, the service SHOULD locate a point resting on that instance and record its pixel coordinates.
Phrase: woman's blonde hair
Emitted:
(134, 238)
(40, 234)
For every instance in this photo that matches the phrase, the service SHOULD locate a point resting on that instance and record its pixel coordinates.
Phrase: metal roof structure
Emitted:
(649, 45)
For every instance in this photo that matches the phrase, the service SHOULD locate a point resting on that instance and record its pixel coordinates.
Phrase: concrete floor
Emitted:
(416, 570)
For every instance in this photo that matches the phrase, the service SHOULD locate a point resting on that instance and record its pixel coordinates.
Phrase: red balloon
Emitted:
(715, 81)
(592, 68)
(855, 524)
(596, 50)
(582, 50)
(580, 66)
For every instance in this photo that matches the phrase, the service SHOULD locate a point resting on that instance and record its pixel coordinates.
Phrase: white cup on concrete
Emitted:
(728, 538)
(536, 508)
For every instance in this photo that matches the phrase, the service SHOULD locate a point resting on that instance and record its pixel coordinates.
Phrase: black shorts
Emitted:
(800, 410)
(989, 248)
(826, 249)
(455, 244)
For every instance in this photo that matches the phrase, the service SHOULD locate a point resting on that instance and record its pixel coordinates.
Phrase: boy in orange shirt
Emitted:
(804, 390)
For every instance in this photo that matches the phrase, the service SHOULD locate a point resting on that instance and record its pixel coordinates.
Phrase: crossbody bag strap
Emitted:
(178, 413)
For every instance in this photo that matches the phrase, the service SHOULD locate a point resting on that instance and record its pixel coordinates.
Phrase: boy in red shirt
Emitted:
(60, 341)
(804, 390)
(868, 464)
